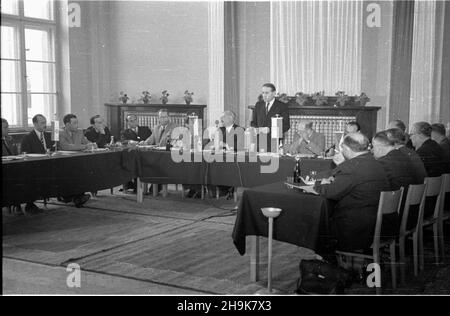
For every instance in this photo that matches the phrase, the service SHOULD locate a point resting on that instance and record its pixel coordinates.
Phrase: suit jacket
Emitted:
(433, 158)
(399, 169)
(316, 145)
(356, 190)
(260, 119)
(96, 137)
(231, 139)
(418, 167)
(31, 143)
(8, 148)
(161, 139)
(143, 133)
(445, 145)
(72, 141)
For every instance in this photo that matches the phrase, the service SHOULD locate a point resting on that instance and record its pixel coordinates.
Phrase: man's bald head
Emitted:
(354, 144)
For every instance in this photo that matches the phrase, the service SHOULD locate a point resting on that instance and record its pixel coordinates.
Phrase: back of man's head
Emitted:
(356, 142)
(397, 136)
(397, 124)
(423, 129)
(438, 128)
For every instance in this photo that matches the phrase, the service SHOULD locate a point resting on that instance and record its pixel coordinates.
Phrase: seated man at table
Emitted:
(98, 132)
(135, 132)
(71, 138)
(37, 141)
(307, 141)
(399, 138)
(161, 132)
(397, 165)
(429, 151)
(355, 188)
(8, 148)
(438, 135)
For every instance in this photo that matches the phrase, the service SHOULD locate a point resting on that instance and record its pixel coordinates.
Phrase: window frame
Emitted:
(21, 22)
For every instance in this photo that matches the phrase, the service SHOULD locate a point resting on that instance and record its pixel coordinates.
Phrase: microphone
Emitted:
(332, 147)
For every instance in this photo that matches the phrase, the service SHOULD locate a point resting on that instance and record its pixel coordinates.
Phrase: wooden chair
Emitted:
(433, 189)
(389, 203)
(415, 196)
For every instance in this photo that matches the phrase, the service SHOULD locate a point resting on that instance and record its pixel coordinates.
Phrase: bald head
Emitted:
(420, 133)
(354, 144)
(228, 118)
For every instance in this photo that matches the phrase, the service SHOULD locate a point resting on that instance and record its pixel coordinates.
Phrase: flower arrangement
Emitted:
(342, 98)
(283, 97)
(164, 98)
(123, 97)
(362, 99)
(146, 97)
(301, 98)
(188, 97)
(320, 98)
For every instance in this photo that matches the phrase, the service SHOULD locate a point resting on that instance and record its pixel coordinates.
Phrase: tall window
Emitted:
(28, 66)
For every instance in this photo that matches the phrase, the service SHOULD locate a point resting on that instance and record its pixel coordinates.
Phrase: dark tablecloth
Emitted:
(302, 222)
(159, 167)
(36, 178)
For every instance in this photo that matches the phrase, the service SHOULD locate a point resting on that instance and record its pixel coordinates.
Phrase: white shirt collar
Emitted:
(270, 104)
(229, 128)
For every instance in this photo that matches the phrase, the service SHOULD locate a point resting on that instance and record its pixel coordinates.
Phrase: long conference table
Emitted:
(34, 178)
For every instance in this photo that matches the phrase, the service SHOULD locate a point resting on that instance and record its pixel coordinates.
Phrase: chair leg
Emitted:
(441, 239)
(217, 193)
(111, 190)
(155, 189)
(415, 253)
(182, 191)
(376, 260)
(421, 251)
(393, 266)
(235, 195)
(164, 190)
(203, 192)
(401, 247)
(436, 242)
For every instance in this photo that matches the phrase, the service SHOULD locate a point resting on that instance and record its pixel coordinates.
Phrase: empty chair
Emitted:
(389, 203)
(445, 212)
(414, 203)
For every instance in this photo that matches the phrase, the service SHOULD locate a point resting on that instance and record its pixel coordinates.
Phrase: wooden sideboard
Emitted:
(330, 120)
(147, 114)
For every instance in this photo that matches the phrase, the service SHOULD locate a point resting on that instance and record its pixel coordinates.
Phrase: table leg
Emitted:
(155, 189)
(164, 190)
(235, 196)
(139, 193)
(182, 191)
(254, 259)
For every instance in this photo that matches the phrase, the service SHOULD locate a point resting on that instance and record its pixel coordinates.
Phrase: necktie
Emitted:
(162, 132)
(41, 138)
(267, 108)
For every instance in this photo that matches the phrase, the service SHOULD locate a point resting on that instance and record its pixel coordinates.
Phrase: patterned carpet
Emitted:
(183, 243)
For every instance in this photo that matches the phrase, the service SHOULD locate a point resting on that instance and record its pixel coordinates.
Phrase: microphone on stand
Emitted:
(332, 147)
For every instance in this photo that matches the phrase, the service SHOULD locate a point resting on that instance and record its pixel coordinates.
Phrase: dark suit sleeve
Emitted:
(254, 122)
(341, 186)
(26, 144)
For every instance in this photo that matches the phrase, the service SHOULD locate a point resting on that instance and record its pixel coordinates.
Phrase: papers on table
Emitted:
(9, 158)
(305, 188)
(36, 155)
(66, 152)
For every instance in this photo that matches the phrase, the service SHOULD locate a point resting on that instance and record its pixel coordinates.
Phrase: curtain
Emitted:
(402, 45)
(316, 45)
(231, 71)
(428, 63)
(216, 61)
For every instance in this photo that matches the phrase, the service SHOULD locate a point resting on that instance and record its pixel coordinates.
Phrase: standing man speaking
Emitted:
(266, 109)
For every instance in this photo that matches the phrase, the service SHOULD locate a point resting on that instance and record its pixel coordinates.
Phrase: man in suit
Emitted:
(396, 164)
(308, 141)
(355, 188)
(37, 141)
(72, 138)
(399, 138)
(161, 132)
(232, 136)
(98, 132)
(429, 151)
(264, 111)
(438, 135)
(8, 148)
(134, 131)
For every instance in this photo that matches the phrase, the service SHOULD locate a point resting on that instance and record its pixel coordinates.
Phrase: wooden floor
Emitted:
(163, 246)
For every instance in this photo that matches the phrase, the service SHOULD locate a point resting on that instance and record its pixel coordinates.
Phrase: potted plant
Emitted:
(146, 97)
(301, 98)
(283, 98)
(342, 99)
(188, 97)
(320, 99)
(362, 99)
(123, 97)
(164, 98)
